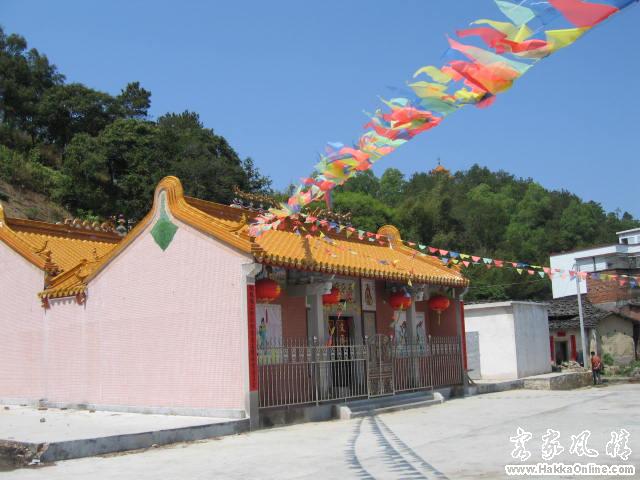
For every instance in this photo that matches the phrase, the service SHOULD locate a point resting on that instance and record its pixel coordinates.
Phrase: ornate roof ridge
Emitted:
(393, 235)
(76, 231)
(9, 237)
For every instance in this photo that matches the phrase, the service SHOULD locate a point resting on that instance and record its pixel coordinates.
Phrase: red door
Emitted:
(574, 351)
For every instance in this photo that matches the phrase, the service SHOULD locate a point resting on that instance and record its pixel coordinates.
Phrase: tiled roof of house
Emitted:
(55, 248)
(354, 257)
(564, 315)
(336, 253)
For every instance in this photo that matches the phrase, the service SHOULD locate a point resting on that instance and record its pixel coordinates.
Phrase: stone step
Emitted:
(391, 403)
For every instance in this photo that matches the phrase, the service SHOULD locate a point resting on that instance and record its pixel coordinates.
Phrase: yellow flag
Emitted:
(513, 32)
(466, 95)
(563, 38)
(522, 34)
(429, 89)
(435, 73)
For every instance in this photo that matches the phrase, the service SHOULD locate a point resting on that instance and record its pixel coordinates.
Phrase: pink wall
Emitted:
(20, 326)
(161, 329)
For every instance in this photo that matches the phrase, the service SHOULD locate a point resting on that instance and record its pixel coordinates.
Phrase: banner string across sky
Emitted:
(308, 225)
(496, 54)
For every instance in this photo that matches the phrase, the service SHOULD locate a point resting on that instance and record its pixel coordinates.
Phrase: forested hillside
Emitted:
(96, 155)
(484, 213)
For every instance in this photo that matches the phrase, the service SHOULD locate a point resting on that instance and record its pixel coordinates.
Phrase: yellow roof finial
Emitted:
(440, 169)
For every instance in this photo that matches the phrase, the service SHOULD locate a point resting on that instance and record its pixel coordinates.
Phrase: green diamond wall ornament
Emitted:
(164, 230)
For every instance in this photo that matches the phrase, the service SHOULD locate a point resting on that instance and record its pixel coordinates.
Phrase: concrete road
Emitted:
(463, 438)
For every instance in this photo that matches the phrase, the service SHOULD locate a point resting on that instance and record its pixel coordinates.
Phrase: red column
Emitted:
(464, 336)
(552, 348)
(253, 346)
(574, 351)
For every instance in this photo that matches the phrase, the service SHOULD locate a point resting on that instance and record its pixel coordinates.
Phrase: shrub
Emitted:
(20, 171)
(607, 359)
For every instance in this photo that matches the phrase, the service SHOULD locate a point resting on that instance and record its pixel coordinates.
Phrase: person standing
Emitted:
(596, 368)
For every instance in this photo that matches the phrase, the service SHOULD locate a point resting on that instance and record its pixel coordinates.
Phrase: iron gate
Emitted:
(296, 372)
(379, 366)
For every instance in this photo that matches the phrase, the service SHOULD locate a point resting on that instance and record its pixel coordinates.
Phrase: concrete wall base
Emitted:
(236, 414)
(17, 454)
(503, 386)
(274, 417)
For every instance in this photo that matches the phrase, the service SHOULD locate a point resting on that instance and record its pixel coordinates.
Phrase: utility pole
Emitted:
(582, 336)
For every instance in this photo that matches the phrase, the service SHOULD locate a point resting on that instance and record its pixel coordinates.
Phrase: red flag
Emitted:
(583, 14)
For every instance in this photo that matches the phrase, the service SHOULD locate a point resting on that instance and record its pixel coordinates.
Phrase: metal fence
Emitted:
(299, 371)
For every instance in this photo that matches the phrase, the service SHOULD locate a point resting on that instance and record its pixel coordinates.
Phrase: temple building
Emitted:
(440, 170)
(189, 314)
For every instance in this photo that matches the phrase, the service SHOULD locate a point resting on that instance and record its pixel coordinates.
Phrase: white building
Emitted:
(624, 255)
(513, 338)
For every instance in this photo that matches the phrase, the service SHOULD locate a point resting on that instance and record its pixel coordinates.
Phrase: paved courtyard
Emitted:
(462, 438)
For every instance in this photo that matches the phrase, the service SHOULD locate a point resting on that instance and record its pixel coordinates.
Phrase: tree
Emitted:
(87, 181)
(486, 213)
(134, 101)
(526, 235)
(114, 172)
(392, 185)
(256, 182)
(367, 212)
(66, 110)
(581, 224)
(26, 76)
(363, 182)
(207, 165)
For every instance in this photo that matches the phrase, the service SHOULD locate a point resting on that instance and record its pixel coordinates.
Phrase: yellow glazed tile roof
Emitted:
(348, 256)
(335, 253)
(57, 248)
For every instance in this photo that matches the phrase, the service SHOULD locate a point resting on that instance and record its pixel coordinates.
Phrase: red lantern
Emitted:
(331, 298)
(267, 290)
(400, 300)
(438, 303)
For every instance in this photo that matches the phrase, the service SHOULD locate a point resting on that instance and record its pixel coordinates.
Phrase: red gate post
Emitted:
(252, 384)
(574, 350)
(253, 357)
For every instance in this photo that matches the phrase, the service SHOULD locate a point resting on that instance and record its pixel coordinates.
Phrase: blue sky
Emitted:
(281, 78)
